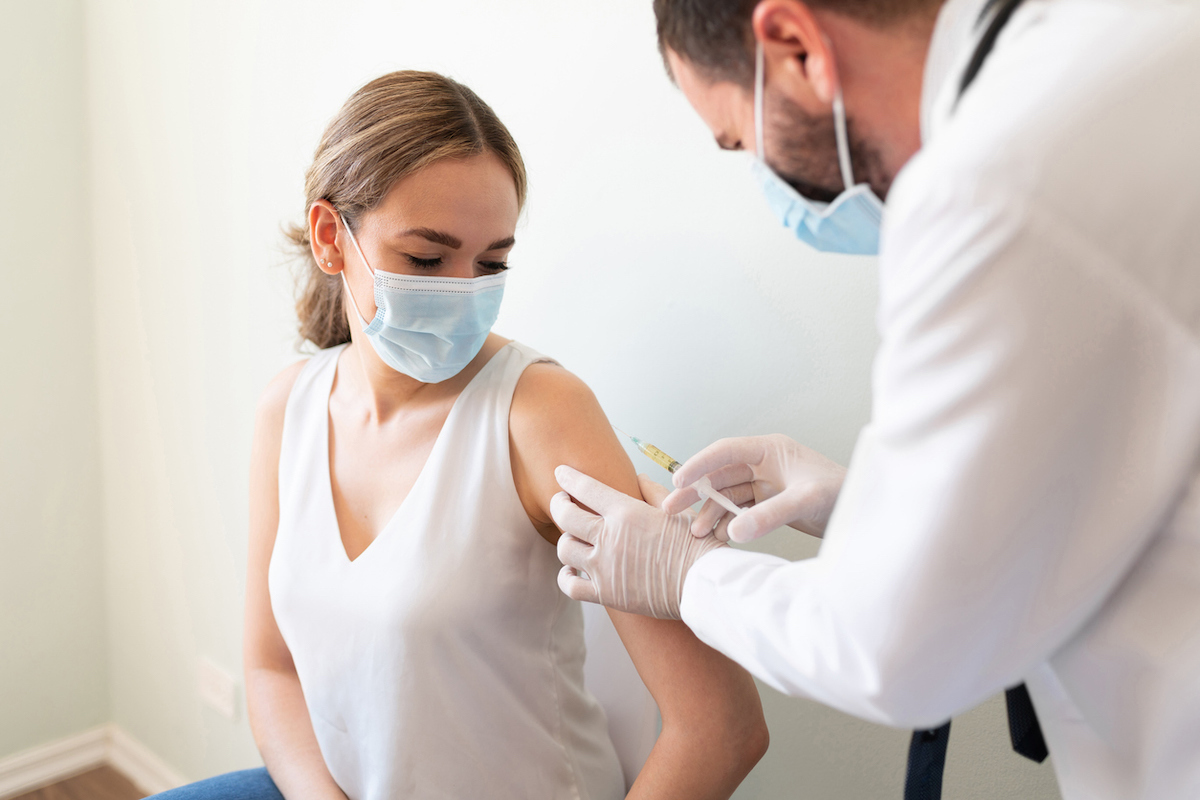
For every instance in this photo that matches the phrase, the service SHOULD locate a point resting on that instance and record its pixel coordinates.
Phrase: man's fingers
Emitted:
(747, 450)
(721, 532)
(680, 500)
(710, 514)
(573, 552)
(729, 476)
(653, 492)
(587, 490)
(742, 494)
(763, 518)
(576, 587)
(572, 519)
(732, 475)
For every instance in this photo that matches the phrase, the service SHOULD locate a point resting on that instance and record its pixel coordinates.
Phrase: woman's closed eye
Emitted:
(424, 263)
(436, 261)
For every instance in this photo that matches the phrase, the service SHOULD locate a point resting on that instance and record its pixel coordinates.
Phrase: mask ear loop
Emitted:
(839, 130)
(759, 80)
(843, 140)
(346, 283)
(839, 119)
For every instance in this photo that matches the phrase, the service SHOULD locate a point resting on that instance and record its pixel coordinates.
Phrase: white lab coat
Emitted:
(1025, 502)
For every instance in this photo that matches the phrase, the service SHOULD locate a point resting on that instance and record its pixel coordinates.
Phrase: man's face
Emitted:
(726, 107)
(799, 140)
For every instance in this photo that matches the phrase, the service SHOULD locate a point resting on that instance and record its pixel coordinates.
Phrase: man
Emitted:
(1025, 502)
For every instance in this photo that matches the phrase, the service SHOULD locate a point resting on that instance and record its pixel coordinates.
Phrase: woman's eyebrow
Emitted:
(453, 242)
(437, 237)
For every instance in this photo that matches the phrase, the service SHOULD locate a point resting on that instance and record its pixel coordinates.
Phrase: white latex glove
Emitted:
(783, 482)
(634, 556)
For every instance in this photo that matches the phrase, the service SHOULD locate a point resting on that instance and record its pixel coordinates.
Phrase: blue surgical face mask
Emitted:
(428, 328)
(850, 224)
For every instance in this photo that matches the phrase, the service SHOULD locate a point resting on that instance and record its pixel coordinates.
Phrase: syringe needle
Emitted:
(703, 487)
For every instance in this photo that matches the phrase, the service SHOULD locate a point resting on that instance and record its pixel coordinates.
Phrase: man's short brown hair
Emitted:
(715, 36)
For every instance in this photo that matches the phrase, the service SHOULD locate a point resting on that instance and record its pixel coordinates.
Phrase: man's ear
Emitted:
(798, 55)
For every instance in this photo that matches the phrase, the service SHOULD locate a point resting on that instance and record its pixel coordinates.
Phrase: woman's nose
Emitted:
(461, 268)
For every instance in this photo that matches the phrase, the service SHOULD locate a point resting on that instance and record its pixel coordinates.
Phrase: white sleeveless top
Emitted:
(443, 662)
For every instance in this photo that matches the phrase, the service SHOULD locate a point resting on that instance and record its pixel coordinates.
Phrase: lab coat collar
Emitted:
(954, 37)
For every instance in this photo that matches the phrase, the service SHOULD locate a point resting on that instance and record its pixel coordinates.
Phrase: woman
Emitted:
(405, 637)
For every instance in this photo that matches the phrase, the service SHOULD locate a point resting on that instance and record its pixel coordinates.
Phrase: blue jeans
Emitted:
(249, 784)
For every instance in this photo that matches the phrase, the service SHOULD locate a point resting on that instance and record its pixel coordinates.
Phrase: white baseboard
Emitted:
(52, 762)
(138, 763)
(107, 744)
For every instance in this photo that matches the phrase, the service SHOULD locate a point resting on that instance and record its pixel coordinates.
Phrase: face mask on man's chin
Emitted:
(849, 222)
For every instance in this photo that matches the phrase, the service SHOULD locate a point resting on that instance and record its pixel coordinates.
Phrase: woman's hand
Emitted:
(652, 492)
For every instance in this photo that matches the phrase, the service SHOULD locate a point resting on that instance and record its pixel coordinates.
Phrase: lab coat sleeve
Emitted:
(1027, 438)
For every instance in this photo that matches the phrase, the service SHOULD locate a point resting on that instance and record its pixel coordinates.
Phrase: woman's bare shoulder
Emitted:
(548, 400)
(546, 385)
(556, 419)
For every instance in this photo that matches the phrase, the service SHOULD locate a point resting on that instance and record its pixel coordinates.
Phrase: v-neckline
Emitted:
(437, 443)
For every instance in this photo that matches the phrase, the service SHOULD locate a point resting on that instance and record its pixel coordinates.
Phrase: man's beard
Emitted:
(804, 153)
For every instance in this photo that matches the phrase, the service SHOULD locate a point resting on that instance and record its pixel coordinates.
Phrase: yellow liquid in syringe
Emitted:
(703, 487)
(656, 455)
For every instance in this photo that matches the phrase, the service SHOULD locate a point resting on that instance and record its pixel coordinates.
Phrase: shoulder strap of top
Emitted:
(304, 417)
(495, 384)
(471, 455)
(489, 395)
(530, 356)
(516, 359)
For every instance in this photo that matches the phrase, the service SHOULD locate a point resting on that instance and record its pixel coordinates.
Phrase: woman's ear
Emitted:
(323, 237)
(798, 54)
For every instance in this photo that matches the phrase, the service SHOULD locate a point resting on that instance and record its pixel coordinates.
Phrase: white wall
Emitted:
(52, 667)
(647, 263)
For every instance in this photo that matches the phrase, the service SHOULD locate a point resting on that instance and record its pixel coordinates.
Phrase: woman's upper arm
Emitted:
(263, 644)
(557, 420)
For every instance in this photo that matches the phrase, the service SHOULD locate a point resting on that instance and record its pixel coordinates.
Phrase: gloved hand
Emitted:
(786, 483)
(635, 556)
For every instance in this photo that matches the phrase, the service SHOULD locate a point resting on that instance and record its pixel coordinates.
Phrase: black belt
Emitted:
(927, 750)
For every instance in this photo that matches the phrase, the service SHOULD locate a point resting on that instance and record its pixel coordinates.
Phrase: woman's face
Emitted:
(453, 219)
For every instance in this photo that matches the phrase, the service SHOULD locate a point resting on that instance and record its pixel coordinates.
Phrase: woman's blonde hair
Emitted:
(394, 126)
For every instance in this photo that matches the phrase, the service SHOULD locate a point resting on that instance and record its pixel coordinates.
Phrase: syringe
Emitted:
(703, 487)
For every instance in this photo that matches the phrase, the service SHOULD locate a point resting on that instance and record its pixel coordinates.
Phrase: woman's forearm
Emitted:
(284, 734)
(688, 764)
(713, 733)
